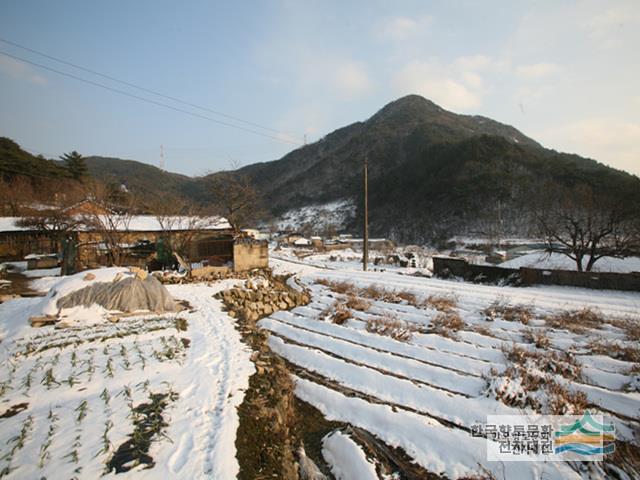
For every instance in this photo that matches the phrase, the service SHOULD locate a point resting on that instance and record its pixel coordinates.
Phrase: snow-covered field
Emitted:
(424, 394)
(87, 397)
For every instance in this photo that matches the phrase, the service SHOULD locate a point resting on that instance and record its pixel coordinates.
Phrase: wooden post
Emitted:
(365, 244)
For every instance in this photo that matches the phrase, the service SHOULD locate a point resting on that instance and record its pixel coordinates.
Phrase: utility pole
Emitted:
(365, 243)
(161, 157)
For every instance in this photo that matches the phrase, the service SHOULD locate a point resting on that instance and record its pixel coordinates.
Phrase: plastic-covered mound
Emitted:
(130, 294)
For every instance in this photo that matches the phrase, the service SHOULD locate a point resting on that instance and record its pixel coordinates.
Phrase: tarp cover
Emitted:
(127, 295)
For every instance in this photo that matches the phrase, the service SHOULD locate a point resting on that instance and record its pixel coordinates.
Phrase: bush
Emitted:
(538, 337)
(446, 324)
(390, 326)
(510, 313)
(577, 321)
(441, 303)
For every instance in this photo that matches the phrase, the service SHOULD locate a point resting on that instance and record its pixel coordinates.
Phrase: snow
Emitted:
(210, 377)
(439, 449)
(422, 395)
(336, 214)
(141, 223)
(66, 285)
(346, 458)
(557, 261)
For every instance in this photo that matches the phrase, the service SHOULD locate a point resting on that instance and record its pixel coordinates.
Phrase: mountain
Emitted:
(432, 173)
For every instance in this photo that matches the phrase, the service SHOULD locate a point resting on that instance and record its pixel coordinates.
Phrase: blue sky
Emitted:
(564, 72)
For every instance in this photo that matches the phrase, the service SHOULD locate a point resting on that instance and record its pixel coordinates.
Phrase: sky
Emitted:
(565, 73)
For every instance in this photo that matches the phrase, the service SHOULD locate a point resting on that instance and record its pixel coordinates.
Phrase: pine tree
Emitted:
(75, 164)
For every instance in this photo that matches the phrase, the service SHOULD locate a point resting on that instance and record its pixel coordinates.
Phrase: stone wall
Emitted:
(260, 300)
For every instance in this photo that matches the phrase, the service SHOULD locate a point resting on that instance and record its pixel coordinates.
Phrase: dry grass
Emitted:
(511, 313)
(615, 350)
(548, 362)
(538, 337)
(576, 321)
(337, 286)
(447, 324)
(565, 402)
(357, 303)
(391, 326)
(373, 292)
(338, 313)
(534, 371)
(441, 303)
(631, 327)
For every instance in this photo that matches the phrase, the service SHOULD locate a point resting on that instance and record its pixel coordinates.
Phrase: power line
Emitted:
(148, 100)
(138, 87)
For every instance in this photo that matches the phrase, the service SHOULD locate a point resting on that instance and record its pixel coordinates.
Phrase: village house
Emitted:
(141, 240)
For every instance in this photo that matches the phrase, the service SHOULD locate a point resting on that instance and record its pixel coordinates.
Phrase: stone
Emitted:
(89, 276)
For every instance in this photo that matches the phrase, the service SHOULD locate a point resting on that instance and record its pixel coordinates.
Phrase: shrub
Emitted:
(441, 303)
(357, 303)
(391, 326)
(615, 350)
(538, 337)
(338, 313)
(576, 321)
(446, 324)
(510, 313)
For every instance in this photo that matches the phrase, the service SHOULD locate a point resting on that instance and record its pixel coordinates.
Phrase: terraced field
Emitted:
(417, 362)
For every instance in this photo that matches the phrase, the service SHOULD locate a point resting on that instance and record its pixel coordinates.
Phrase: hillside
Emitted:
(15, 161)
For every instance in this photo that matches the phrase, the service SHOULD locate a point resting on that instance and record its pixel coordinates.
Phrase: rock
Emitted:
(89, 276)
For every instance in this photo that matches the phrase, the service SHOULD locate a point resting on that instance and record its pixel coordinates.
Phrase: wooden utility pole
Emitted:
(365, 243)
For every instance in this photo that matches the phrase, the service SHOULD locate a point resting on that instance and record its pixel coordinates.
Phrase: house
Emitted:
(142, 240)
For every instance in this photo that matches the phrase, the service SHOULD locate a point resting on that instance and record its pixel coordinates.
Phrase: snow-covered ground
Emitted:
(79, 392)
(83, 389)
(334, 214)
(422, 395)
(562, 262)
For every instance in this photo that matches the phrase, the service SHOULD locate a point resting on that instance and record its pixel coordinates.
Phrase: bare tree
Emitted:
(180, 221)
(15, 194)
(584, 227)
(235, 198)
(111, 227)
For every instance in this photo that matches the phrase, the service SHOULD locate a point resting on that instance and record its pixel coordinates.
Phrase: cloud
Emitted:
(351, 79)
(458, 85)
(537, 70)
(605, 139)
(609, 28)
(402, 28)
(20, 71)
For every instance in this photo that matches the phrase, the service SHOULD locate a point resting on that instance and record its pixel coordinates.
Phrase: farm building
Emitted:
(143, 240)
